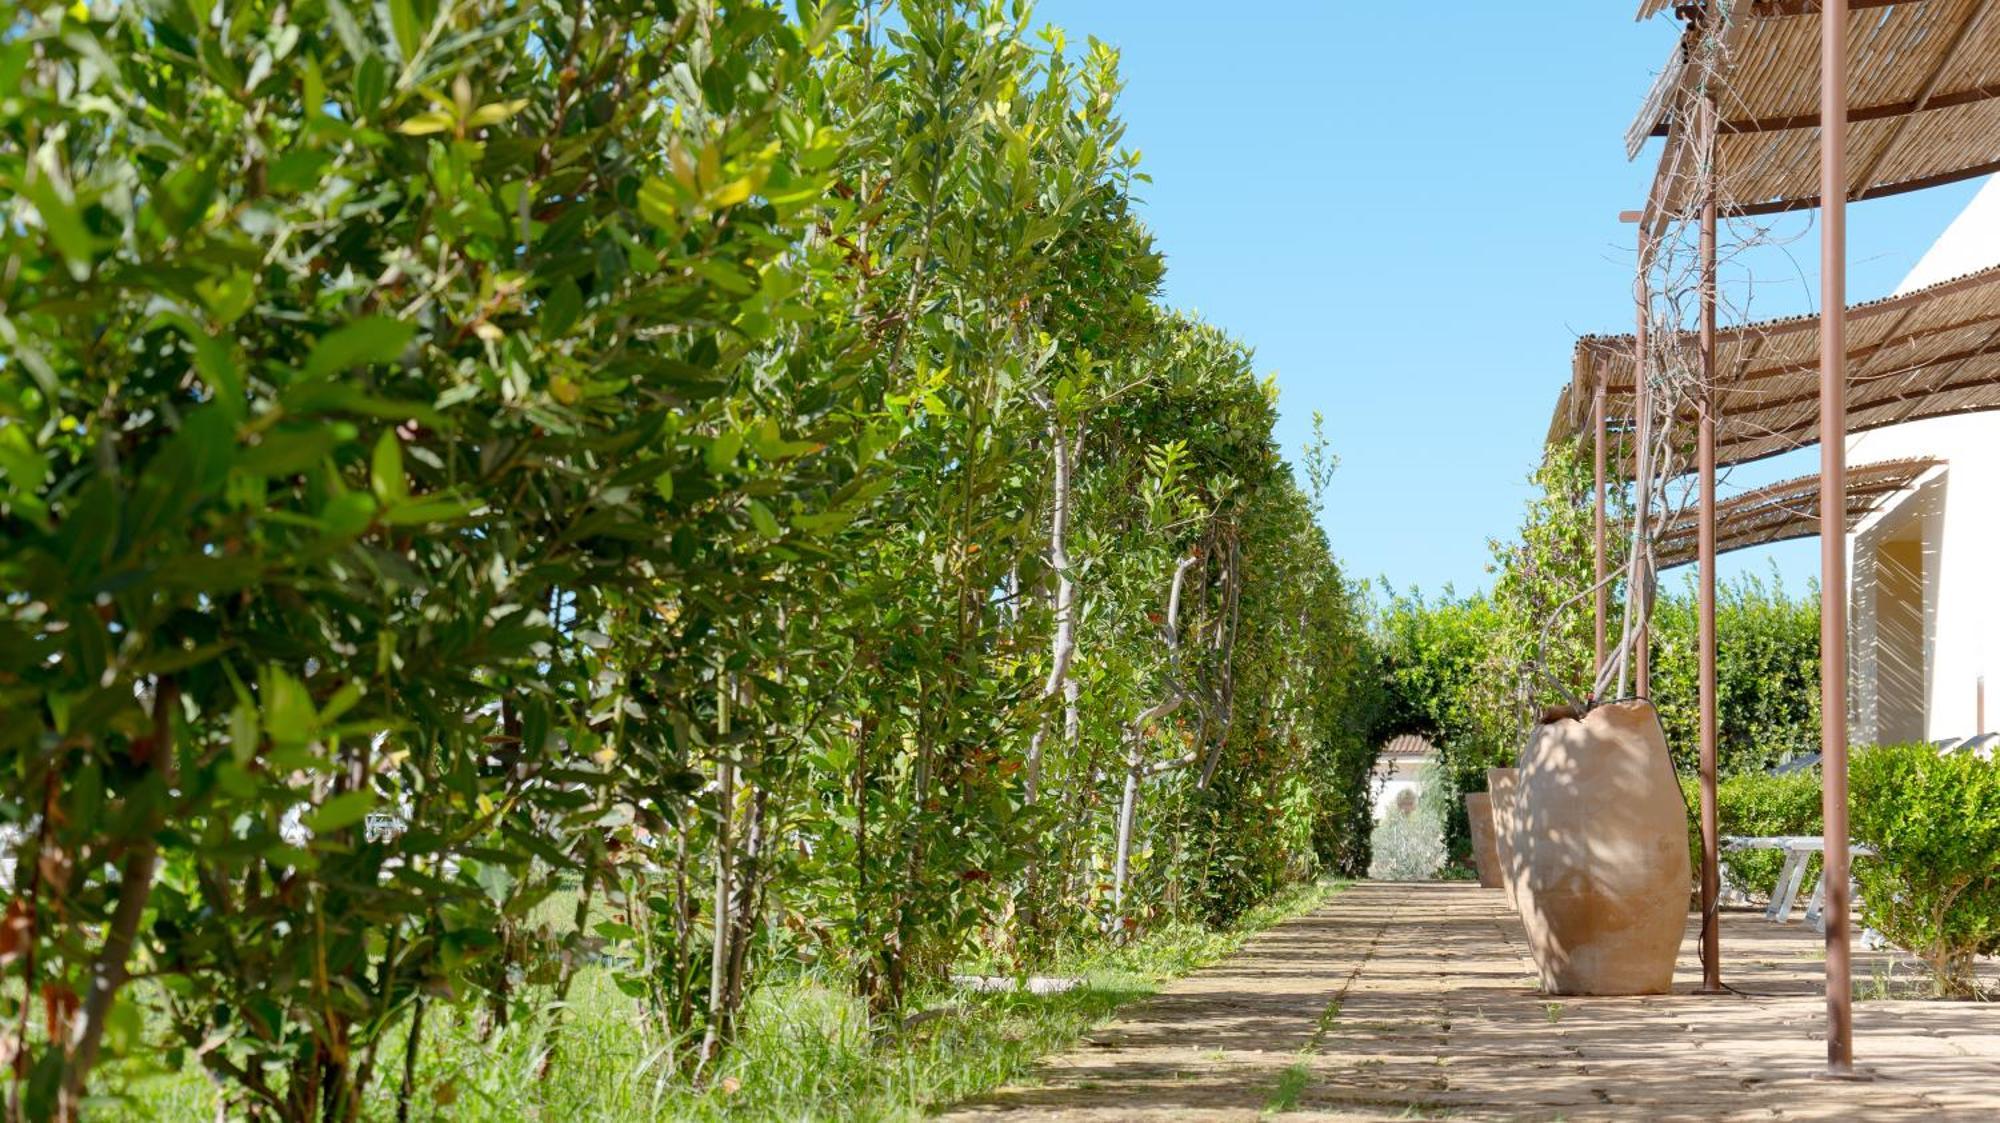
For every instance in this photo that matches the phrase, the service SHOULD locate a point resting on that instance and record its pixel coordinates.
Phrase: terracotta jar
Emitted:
(1500, 790)
(1479, 815)
(1600, 838)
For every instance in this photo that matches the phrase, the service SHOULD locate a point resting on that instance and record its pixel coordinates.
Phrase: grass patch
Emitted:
(806, 1050)
(1291, 1085)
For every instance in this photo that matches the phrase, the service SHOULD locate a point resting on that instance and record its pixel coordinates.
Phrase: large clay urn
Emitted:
(1600, 835)
(1479, 815)
(1500, 790)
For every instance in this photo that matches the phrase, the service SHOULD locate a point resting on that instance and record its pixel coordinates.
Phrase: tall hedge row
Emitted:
(725, 462)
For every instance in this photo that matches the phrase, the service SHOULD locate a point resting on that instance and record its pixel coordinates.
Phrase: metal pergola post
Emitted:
(1603, 596)
(1641, 591)
(1711, 873)
(1833, 528)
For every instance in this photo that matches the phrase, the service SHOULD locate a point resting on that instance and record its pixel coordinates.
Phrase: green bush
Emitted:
(1766, 673)
(457, 454)
(1933, 886)
(1756, 803)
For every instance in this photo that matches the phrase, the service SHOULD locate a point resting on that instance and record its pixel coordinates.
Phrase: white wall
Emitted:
(1956, 514)
(1396, 776)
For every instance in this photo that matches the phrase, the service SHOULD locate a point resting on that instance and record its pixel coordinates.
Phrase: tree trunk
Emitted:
(1135, 740)
(725, 806)
(135, 888)
(1062, 646)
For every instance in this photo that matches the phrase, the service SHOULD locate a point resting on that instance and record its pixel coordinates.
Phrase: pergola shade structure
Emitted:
(1784, 511)
(1933, 352)
(1923, 104)
(1771, 106)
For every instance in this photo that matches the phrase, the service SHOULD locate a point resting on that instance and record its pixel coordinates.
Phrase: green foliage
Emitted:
(1409, 846)
(1756, 804)
(1766, 674)
(455, 452)
(1933, 885)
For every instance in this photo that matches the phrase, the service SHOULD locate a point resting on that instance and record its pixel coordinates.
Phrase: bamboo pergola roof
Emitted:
(1933, 352)
(1924, 104)
(1785, 511)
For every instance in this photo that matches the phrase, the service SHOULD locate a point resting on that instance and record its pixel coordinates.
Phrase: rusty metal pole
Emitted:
(1711, 871)
(1642, 635)
(1833, 527)
(1603, 597)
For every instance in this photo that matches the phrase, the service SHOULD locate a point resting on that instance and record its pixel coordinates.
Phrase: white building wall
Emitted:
(1957, 516)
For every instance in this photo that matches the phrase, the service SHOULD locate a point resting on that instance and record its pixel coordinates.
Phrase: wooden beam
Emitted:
(1749, 413)
(1785, 9)
(1903, 108)
(1811, 202)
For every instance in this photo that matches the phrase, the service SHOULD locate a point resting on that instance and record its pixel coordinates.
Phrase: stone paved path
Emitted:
(1418, 1000)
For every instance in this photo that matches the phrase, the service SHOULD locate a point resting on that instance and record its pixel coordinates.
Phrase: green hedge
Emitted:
(1756, 803)
(1933, 885)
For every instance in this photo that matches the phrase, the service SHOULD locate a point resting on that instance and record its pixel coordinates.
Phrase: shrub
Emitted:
(1756, 803)
(1933, 886)
(1408, 845)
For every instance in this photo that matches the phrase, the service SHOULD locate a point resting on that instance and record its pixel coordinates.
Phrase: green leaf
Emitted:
(659, 204)
(493, 113)
(372, 339)
(765, 522)
(720, 455)
(343, 810)
(409, 34)
(426, 123)
(24, 464)
(560, 308)
(64, 225)
(227, 298)
(289, 715)
(431, 509)
(347, 514)
(385, 476)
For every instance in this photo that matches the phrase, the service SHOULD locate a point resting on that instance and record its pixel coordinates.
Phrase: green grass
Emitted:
(806, 1051)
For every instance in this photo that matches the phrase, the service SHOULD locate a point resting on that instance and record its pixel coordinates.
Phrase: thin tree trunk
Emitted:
(135, 888)
(407, 1090)
(1062, 646)
(725, 803)
(1135, 743)
(1226, 643)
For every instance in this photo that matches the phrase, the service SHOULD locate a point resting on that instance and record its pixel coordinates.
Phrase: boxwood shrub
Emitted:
(1933, 886)
(1757, 803)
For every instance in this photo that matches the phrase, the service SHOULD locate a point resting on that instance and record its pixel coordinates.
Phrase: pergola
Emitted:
(1788, 510)
(1929, 353)
(1877, 97)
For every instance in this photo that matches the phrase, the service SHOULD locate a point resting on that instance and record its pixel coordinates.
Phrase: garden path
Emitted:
(1418, 1000)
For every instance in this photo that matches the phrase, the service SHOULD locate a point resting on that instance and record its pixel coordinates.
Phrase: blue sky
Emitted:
(1410, 211)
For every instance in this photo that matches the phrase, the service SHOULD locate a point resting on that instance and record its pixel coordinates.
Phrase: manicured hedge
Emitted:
(1933, 885)
(1757, 803)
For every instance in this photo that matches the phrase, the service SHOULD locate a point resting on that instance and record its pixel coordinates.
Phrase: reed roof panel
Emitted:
(1923, 97)
(1784, 511)
(1929, 353)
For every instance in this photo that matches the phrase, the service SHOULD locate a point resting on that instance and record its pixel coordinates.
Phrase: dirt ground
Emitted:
(1402, 1000)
